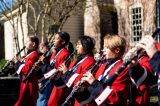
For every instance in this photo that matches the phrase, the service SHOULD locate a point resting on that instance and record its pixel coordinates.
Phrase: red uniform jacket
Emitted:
(56, 94)
(113, 94)
(57, 99)
(29, 90)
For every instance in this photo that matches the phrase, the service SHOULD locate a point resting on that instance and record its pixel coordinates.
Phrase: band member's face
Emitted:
(79, 48)
(29, 44)
(43, 49)
(58, 42)
(110, 54)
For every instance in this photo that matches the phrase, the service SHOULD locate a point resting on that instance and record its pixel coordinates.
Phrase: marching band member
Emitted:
(29, 90)
(83, 63)
(60, 42)
(140, 74)
(116, 92)
(43, 48)
(151, 48)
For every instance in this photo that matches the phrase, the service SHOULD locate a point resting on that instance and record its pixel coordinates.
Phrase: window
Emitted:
(136, 22)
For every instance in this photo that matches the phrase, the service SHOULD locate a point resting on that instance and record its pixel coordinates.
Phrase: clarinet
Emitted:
(80, 84)
(128, 61)
(33, 69)
(57, 71)
(7, 63)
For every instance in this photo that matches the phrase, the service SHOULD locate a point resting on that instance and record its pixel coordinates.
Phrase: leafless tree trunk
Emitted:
(92, 21)
(20, 3)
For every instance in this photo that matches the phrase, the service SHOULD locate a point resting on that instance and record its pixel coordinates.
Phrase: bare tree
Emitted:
(41, 14)
(51, 12)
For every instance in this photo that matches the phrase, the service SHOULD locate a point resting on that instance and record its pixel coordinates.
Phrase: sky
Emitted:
(8, 3)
